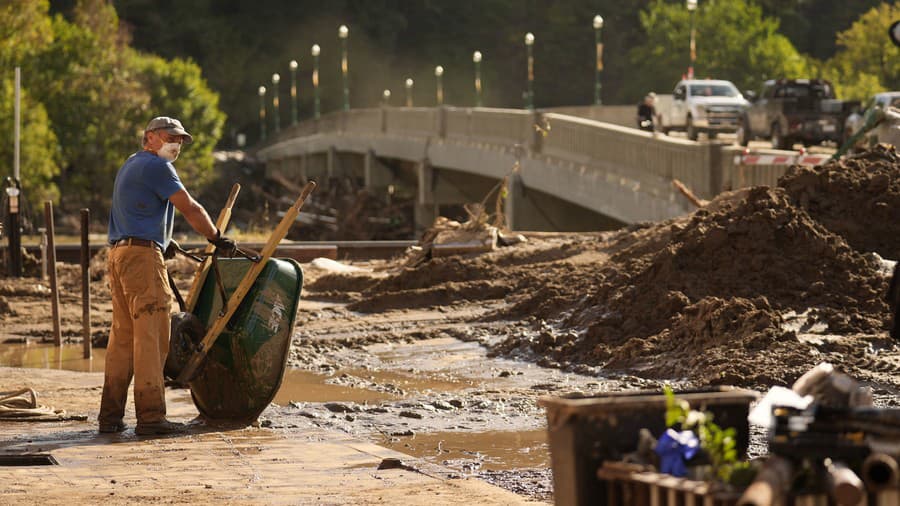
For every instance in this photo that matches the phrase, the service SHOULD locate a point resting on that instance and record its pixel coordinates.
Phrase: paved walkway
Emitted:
(248, 465)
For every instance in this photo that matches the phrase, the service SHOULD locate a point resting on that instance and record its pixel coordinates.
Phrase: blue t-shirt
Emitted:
(140, 200)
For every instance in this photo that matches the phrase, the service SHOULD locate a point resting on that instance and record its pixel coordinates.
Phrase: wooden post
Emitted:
(86, 281)
(51, 269)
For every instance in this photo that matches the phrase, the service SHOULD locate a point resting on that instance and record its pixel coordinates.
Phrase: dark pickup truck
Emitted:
(794, 110)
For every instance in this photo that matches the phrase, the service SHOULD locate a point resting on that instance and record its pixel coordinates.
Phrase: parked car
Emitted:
(795, 110)
(855, 120)
(711, 106)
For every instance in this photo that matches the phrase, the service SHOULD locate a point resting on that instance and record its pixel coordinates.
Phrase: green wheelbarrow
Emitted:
(232, 344)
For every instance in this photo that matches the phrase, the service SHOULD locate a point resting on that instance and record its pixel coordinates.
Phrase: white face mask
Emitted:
(169, 151)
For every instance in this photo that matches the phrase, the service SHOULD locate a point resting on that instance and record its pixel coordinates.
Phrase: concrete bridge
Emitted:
(563, 172)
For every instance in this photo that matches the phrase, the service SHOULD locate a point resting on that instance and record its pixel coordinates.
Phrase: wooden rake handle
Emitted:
(200, 275)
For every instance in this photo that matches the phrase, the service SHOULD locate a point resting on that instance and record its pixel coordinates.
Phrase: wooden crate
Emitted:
(637, 485)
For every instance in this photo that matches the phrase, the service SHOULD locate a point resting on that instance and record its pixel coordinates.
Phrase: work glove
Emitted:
(224, 246)
(171, 249)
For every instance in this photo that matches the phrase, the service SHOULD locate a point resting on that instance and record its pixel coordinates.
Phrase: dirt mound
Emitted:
(697, 297)
(857, 198)
(681, 298)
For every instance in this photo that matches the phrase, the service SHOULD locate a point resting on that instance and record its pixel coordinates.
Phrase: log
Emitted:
(844, 485)
(771, 484)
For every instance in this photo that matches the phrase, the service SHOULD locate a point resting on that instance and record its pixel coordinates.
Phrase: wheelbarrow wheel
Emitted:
(186, 334)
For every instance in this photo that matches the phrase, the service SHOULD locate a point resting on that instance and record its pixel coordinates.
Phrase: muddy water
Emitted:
(478, 451)
(305, 386)
(428, 368)
(48, 356)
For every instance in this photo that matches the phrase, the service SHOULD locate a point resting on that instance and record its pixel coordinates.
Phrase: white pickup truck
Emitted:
(701, 105)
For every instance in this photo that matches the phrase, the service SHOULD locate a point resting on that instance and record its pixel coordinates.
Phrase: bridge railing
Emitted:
(626, 150)
(706, 168)
(412, 121)
(499, 127)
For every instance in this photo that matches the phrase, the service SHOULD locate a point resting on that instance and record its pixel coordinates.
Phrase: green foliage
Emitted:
(24, 30)
(177, 89)
(733, 39)
(95, 106)
(39, 157)
(719, 444)
(867, 62)
(88, 95)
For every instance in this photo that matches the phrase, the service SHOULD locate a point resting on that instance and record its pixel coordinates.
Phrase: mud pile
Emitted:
(728, 294)
(702, 297)
(857, 198)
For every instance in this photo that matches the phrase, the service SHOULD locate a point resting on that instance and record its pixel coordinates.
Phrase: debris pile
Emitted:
(727, 294)
(857, 198)
(702, 296)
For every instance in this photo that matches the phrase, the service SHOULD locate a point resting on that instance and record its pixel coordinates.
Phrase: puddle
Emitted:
(479, 451)
(305, 386)
(360, 385)
(49, 356)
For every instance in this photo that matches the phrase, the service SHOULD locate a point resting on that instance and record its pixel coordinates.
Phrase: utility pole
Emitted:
(13, 189)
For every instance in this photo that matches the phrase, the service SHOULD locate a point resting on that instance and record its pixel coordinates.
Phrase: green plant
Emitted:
(719, 444)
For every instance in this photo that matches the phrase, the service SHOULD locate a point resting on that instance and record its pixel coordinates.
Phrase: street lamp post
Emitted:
(598, 25)
(343, 33)
(692, 7)
(529, 95)
(315, 79)
(409, 89)
(439, 77)
(276, 111)
(476, 59)
(293, 66)
(386, 98)
(262, 113)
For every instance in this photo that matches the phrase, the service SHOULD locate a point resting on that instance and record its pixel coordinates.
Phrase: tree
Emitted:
(96, 93)
(867, 56)
(25, 31)
(734, 42)
(96, 106)
(177, 89)
(39, 154)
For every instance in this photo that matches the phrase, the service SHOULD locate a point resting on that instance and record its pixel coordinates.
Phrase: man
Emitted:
(146, 193)
(646, 114)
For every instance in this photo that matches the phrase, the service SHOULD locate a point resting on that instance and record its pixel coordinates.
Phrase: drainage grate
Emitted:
(31, 459)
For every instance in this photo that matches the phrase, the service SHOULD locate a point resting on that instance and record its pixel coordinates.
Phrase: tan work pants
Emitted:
(139, 337)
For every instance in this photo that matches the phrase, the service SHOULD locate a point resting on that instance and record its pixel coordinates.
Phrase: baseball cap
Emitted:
(171, 125)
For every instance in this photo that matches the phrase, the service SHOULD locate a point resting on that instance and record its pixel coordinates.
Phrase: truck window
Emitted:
(713, 90)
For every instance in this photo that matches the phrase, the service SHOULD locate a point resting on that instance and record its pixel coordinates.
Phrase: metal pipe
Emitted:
(880, 472)
(17, 120)
(51, 261)
(86, 281)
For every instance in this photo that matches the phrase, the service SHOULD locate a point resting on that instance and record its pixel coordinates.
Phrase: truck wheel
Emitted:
(742, 133)
(691, 131)
(779, 141)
